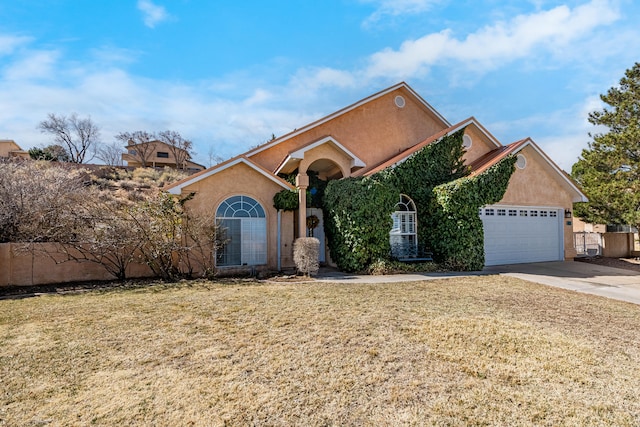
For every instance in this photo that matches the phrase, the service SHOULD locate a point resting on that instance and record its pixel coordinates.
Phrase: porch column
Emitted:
(302, 183)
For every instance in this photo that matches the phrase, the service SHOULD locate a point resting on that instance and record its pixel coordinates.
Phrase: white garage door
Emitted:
(515, 234)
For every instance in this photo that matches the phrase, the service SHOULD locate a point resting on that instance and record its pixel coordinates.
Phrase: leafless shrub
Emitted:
(306, 252)
(105, 224)
(40, 202)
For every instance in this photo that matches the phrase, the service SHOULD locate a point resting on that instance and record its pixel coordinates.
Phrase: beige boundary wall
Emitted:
(618, 245)
(21, 267)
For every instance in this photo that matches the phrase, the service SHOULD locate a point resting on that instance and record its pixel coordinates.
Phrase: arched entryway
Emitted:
(325, 159)
(318, 174)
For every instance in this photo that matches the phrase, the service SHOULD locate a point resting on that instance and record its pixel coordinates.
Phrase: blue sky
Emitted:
(228, 75)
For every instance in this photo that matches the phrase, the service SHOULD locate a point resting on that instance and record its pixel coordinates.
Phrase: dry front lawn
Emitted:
(467, 351)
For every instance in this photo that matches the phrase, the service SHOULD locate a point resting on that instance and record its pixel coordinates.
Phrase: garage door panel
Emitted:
(521, 234)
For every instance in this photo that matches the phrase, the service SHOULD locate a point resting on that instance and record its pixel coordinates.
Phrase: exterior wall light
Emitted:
(568, 213)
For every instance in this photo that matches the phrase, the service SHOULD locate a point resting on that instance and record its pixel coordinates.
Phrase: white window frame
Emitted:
(403, 236)
(252, 219)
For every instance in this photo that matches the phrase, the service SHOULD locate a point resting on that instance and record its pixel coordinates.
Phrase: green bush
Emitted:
(286, 200)
(357, 216)
(386, 266)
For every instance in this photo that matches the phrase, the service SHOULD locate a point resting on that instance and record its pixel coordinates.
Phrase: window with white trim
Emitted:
(243, 232)
(404, 232)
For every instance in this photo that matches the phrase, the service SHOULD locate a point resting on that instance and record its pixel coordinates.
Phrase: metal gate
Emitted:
(587, 244)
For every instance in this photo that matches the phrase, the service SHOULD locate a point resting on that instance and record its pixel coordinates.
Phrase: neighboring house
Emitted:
(158, 154)
(375, 133)
(10, 149)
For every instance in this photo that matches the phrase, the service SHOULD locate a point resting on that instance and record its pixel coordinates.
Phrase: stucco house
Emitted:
(158, 154)
(9, 149)
(531, 223)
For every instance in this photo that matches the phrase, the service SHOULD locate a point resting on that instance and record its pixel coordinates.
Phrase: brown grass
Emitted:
(467, 351)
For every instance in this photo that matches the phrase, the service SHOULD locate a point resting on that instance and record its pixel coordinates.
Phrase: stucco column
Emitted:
(302, 183)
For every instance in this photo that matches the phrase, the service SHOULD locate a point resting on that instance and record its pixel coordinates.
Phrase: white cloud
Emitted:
(111, 55)
(9, 43)
(495, 45)
(152, 13)
(35, 65)
(397, 8)
(42, 82)
(234, 113)
(314, 79)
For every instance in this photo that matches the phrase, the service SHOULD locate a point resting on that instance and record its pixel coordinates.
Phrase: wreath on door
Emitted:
(312, 223)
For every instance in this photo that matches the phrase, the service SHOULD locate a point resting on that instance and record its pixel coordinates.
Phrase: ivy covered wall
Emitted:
(357, 215)
(435, 164)
(357, 211)
(457, 235)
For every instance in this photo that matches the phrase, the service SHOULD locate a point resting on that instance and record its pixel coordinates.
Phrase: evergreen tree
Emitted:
(609, 169)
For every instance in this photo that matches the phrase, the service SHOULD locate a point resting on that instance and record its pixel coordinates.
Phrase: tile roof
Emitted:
(494, 156)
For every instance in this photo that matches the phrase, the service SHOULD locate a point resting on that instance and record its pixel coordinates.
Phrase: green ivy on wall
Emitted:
(460, 242)
(357, 221)
(357, 211)
(435, 164)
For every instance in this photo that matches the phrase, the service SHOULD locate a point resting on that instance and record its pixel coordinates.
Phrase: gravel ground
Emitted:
(625, 263)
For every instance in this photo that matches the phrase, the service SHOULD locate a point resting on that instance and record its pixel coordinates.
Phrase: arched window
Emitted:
(243, 232)
(404, 233)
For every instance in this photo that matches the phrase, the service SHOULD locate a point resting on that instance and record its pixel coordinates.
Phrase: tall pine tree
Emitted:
(609, 169)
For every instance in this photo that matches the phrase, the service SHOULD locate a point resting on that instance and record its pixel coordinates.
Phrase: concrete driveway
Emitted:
(583, 277)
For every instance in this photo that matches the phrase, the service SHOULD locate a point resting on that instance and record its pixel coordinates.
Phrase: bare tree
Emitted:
(179, 146)
(78, 136)
(139, 143)
(110, 154)
(106, 238)
(214, 159)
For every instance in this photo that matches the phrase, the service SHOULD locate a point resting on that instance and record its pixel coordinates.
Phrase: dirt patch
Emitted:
(624, 263)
